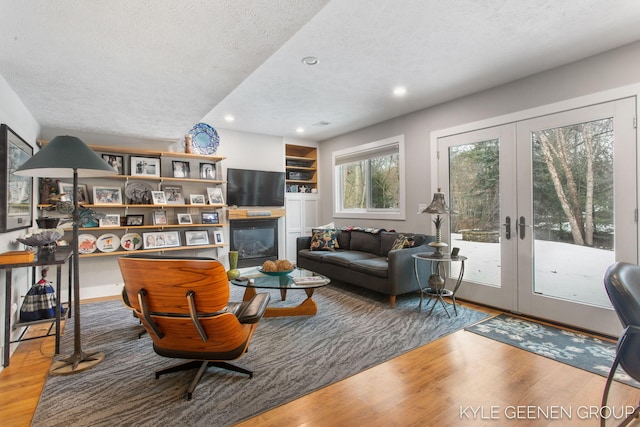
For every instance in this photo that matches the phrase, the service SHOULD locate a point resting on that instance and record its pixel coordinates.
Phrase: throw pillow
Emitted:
(402, 242)
(324, 240)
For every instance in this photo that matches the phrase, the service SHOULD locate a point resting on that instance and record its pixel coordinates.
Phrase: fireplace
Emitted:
(256, 241)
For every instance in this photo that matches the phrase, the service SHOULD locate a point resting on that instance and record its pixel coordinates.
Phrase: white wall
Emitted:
(14, 114)
(613, 69)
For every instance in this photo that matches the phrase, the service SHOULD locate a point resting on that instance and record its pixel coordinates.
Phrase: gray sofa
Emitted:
(365, 259)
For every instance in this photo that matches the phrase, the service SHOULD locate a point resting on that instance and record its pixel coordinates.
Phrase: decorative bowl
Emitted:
(275, 273)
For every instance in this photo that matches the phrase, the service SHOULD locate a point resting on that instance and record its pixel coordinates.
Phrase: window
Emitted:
(369, 180)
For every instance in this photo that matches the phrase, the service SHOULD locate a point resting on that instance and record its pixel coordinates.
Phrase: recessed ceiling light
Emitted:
(310, 60)
(229, 118)
(300, 130)
(400, 91)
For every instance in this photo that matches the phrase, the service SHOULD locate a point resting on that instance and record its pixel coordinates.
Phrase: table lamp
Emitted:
(65, 157)
(438, 207)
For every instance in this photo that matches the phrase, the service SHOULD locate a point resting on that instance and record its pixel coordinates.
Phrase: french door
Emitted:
(544, 206)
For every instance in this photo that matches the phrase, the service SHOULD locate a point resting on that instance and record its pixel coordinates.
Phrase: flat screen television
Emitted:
(247, 187)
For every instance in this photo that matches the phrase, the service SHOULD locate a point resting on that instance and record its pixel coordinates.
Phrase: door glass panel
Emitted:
(474, 193)
(573, 216)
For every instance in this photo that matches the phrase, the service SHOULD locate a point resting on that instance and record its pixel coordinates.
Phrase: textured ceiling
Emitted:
(155, 68)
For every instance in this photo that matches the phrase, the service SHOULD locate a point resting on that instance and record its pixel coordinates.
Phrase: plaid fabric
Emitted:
(39, 303)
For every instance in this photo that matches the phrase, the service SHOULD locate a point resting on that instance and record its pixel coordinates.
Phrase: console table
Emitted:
(60, 257)
(435, 286)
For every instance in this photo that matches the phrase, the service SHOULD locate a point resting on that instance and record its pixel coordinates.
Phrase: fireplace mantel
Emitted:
(243, 214)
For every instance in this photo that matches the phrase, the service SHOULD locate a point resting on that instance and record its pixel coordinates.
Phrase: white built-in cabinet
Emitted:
(302, 215)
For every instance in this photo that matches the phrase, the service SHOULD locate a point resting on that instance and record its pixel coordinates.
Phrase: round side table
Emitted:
(435, 286)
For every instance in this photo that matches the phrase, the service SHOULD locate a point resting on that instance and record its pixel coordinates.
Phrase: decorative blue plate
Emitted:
(204, 139)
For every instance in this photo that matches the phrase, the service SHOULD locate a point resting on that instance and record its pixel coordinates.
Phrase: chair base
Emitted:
(202, 367)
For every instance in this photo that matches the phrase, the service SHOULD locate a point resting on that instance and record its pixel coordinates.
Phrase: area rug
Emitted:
(290, 356)
(572, 348)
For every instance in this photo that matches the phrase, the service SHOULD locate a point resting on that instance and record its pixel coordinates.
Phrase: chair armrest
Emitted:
(251, 311)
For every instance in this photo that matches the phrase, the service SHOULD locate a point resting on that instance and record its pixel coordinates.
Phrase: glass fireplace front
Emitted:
(256, 241)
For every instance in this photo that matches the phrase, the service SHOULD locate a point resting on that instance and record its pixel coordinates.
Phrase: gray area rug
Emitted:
(353, 330)
(572, 348)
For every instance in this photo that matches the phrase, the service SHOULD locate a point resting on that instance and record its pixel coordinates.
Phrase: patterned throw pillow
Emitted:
(402, 242)
(324, 240)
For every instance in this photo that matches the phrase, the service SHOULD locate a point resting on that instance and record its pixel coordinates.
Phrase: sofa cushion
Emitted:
(344, 239)
(387, 238)
(313, 255)
(377, 266)
(346, 258)
(324, 240)
(365, 242)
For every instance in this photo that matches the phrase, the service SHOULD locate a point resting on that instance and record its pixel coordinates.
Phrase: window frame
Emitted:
(370, 150)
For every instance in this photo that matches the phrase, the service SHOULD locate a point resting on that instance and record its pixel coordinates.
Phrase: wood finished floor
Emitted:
(439, 384)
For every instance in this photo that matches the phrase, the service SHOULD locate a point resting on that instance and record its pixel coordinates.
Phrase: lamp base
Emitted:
(77, 362)
(438, 245)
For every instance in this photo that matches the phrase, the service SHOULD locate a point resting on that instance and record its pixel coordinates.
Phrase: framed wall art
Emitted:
(159, 198)
(164, 239)
(184, 219)
(215, 196)
(173, 194)
(210, 218)
(196, 238)
(218, 237)
(107, 195)
(181, 169)
(207, 171)
(16, 194)
(197, 199)
(145, 166)
(67, 188)
(115, 161)
(110, 220)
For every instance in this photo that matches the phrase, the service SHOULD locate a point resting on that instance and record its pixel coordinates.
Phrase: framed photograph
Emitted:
(16, 195)
(173, 194)
(110, 220)
(159, 198)
(107, 195)
(116, 162)
(196, 238)
(134, 220)
(83, 194)
(161, 239)
(215, 196)
(207, 171)
(160, 218)
(181, 169)
(145, 166)
(197, 199)
(184, 219)
(210, 218)
(218, 237)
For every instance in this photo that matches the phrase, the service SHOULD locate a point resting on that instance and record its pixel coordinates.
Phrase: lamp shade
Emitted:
(62, 156)
(438, 206)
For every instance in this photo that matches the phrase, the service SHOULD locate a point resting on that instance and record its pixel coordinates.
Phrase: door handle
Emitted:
(522, 226)
(507, 228)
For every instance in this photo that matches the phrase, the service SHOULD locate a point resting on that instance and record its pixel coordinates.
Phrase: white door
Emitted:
(566, 184)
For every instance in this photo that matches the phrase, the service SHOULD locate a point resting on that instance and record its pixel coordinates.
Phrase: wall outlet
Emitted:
(421, 207)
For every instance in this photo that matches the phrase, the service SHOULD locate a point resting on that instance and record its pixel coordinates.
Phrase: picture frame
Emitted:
(218, 237)
(215, 196)
(207, 171)
(144, 166)
(173, 194)
(181, 169)
(160, 239)
(197, 199)
(16, 195)
(210, 217)
(83, 193)
(184, 218)
(160, 218)
(104, 195)
(196, 238)
(159, 198)
(110, 220)
(115, 161)
(134, 220)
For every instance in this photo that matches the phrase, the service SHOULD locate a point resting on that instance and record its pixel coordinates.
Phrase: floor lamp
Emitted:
(65, 157)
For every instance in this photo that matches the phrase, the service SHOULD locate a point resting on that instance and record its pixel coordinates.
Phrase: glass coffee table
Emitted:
(296, 279)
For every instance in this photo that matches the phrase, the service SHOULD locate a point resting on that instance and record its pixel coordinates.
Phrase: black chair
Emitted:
(184, 305)
(622, 282)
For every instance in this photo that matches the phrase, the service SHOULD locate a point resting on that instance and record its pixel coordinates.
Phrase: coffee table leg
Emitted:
(308, 307)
